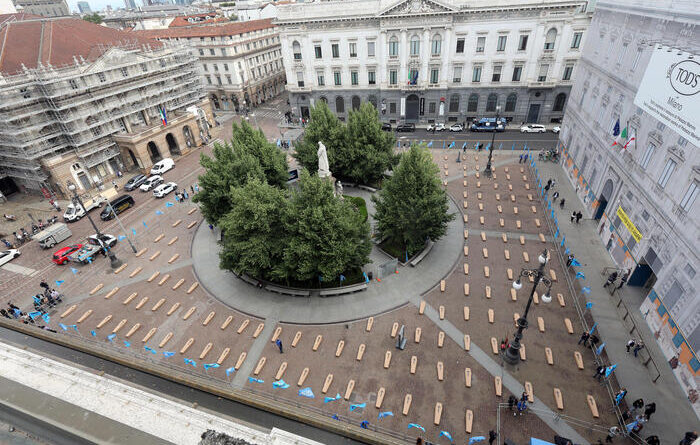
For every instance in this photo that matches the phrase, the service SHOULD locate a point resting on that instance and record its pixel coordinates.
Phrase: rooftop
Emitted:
(197, 20)
(215, 30)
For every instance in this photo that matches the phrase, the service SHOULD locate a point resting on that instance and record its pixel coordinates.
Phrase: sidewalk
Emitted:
(674, 414)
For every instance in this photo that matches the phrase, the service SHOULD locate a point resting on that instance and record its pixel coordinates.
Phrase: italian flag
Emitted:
(622, 140)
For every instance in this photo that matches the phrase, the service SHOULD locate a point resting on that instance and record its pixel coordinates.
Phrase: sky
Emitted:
(97, 5)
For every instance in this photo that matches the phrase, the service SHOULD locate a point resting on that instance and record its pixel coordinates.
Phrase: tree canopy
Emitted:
(412, 205)
(94, 18)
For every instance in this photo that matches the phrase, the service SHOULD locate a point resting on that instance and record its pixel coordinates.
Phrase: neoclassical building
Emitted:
(644, 197)
(423, 61)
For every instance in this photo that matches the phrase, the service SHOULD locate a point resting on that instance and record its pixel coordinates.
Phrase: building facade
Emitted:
(643, 196)
(45, 8)
(240, 63)
(423, 61)
(84, 7)
(92, 107)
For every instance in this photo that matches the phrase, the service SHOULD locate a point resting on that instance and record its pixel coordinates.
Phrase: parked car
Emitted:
(134, 182)
(489, 124)
(151, 183)
(108, 240)
(406, 128)
(75, 211)
(61, 256)
(533, 128)
(119, 205)
(556, 129)
(164, 189)
(162, 166)
(8, 255)
(87, 253)
(456, 127)
(52, 235)
(386, 126)
(438, 126)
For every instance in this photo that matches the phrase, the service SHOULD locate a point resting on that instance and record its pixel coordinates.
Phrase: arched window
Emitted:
(511, 100)
(550, 39)
(436, 45)
(473, 102)
(355, 102)
(559, 102)
(454, 103)
(296, 49)
(339, 104)
(323, 98)
(491, 102)
(373, 100)
(415, 45)
(394, 46)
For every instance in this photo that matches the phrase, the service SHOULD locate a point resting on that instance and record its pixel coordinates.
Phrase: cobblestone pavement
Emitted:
(155, 305)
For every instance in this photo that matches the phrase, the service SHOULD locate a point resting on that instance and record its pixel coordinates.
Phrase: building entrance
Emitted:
(412, 108)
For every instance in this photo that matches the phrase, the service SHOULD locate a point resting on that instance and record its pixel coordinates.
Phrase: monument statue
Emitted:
(323, 168)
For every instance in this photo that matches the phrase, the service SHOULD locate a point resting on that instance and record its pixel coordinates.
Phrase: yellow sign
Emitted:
(629, 224)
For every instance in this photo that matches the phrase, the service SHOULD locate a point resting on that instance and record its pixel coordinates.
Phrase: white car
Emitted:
(8, 255)
(533, 128)
(164, 189)
(556, 129)
(162, 166)
(436, 127)
(456, 127)
(151, 183)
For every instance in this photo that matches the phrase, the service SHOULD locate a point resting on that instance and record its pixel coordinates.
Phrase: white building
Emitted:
(434, 60)
(644, 197)
(46, 8)
(7, 7)
(241, 63)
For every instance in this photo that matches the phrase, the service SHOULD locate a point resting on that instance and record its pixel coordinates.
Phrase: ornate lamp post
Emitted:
(493, 137)
(512, 354)
(114, 262)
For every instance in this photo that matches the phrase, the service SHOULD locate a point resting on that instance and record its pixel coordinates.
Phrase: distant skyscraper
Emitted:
(130, 4)
(84, 7)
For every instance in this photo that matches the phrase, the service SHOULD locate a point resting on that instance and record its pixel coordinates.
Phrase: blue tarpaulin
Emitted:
(534, 441)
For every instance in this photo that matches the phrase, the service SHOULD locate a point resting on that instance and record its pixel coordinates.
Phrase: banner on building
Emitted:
(670, 92)
(629, 224)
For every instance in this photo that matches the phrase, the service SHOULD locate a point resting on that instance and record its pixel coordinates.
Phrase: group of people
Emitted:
(518, 406)
(635, 346)
(634, 418)
(612, 279)
(48, 298)
(182, 195)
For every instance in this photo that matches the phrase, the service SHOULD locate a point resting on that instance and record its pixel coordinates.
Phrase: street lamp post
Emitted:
(114, 262)
(493, 138)
(512, 354)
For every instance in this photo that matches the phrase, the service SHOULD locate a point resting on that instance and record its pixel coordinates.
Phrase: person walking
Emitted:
(573, 216)
(689, 438)
(637, 405)
(611, 280)
(620, 396)
(649, 409)
(630, 344)
(555, 196)
(599, 372)
(278, 342)
(492, 437)
(211, 227)
(569, 260)
(579, 215)
(192, 188)
(638, 347)
(561, 203)
(114, 183)
(653, 440)
(584, 338)
(520, 161)
(612, 432)
(546, 189)
(624, 279)
(549, 183)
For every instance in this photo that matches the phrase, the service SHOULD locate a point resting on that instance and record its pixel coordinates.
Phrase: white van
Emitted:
(162, 166)
(53, 235)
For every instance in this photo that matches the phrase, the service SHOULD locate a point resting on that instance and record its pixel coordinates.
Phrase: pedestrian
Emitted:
(554, 182)
(211, 227)
(637, 405)
(561, 203)
(555, 196)
(114, 183)
(573, 216)
(579, 215)
(638, 347)
(184, 193)
(611, 279)
(620, 395)
(512, 401)
(278, 342)
(624, 279)
(689, 438)
(549, 183)
(569, 260)
(4, 313)
(546, 189)
(653, 440)
(630, 344)
(192, 188)
(492, 437)
(594, 340)
(612, 432)
(196, 187)
(44, 284)
(521, 159)
(599, 372)
(649, 409)
(584, 338)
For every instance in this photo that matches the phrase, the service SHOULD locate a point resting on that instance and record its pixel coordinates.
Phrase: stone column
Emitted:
(444, 56)
(381, 53)
(403, 57)
(424, 76)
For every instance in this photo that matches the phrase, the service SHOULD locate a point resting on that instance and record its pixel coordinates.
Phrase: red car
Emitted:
(61, 256)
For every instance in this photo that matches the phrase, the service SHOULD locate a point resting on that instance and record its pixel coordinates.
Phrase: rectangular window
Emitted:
(336, 78)
(434, 75)
(496, 76)
(476, 74)
(517, 72)
(201, 52)
(218, 80)
(208, 79)
(666, 174)
(436, 47)
(621, 56)
(682, 142)
(690, 195)
(206, 67)
(223, 51)
(393, 78)
(101, 77)
(335, 50)
(124, 72)
(394, 48)
(225, 66)
(216, 67)
(460, 46)
(320, 78)
(568, 69)
(318, 51)
(501, 45)
(660, 126)
(431, 108)
(73, 84)
(371, 77)
(370, 49)
(522, 43)
(415, 46)
(457, 75)
(647, 155)
(392, 107)
(352, 49)
(354, 79)
(480, 44)
(228, 79)
(636, 58)
(576, 41)
(211, 52)
(543, 73)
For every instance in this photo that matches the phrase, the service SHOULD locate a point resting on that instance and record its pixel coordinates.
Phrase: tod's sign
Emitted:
(669, 92)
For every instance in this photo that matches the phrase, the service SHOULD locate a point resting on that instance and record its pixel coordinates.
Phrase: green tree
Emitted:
(323, 126)
(325, 236)
(368, 151)
(94, 18)
(252, 241)
(412, 205)
(271, 158)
